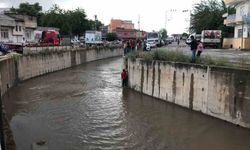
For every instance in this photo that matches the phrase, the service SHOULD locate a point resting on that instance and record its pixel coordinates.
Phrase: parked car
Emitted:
(152, 43)
(169, 40)
(75, 41)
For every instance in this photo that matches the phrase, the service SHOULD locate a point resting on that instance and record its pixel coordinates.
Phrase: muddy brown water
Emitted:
(85, 108)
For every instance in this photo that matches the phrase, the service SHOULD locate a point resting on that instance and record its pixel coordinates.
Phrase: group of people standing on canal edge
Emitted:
(195, 46)
(131, 45)
(124, 76)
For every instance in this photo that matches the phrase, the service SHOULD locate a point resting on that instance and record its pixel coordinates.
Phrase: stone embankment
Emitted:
(216, 91)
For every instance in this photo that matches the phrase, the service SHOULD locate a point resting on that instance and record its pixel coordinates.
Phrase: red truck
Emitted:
(51, 37)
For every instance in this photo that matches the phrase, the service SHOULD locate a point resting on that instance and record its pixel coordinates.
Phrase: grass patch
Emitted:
(178, 56)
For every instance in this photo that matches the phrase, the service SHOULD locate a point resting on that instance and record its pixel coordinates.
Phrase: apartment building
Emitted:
(17, 28)
(241, 23)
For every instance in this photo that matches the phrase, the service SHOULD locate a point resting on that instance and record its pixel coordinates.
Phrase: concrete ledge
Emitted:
(216, 91)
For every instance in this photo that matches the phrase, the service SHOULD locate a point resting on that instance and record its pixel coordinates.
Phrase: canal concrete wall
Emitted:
(15, 69)
(35, 65)
(219, 92)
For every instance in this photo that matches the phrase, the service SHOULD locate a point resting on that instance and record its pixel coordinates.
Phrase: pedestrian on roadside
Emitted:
(124, 77)
(125, 48)
(193, 46)
(128, 46)
(200, 48)
(144, 45)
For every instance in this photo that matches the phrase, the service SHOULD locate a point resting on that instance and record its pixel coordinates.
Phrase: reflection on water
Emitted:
(86, 108)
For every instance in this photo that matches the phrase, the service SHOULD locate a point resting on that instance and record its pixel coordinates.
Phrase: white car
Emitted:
(148, 47)
(152, 43)
(75, 42)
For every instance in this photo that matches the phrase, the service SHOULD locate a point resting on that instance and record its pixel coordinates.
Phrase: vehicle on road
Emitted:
(51, 37)
(211, 38)
(170, 40)
(154, 39)
(148, 47)
(152, 43)
(75, 42)
(196, 36)
(93, 37)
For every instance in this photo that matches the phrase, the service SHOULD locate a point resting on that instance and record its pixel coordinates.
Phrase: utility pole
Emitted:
(95, 22)
(139, 17)
(166, 19)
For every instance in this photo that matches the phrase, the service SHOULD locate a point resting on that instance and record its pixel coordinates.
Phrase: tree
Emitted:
(56, 17)
(71, 22)
(208, 16)
(163, 33)
(95, 25)
(184, 34)
(28, 9)
(34, 10)
(78, 22)
(111, 36)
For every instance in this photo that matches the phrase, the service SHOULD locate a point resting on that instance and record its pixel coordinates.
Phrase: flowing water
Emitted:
(85, 108)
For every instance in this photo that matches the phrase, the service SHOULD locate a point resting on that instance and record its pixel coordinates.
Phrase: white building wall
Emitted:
(242, 9)
(236, 33)
(10, 33)
(31, 35)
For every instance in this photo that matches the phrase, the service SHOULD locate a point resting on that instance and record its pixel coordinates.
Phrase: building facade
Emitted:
(116, 23)
(7, 25)
(125, 30)
(17, 28)
(241, 23)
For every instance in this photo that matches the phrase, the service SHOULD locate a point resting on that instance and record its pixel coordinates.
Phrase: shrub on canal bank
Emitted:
(177, 56)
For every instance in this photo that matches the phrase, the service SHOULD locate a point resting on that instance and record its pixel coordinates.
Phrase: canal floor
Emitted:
(85, 108)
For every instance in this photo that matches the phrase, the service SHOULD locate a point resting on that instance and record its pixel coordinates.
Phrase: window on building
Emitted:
(20, 28)
(16, 28)
(28, 35)
(5, 33)
(240, 33)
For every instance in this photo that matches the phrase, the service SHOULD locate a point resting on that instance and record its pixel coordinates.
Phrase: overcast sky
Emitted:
(152, 13)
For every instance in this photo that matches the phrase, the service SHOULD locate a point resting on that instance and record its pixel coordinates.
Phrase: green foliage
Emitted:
(146, 56)
(244, 62)
(175, 56)
(163, 33)
(70, 22)
(206, 60)
(208, 16)
(184, 34)
(111, 36)
(133, 55)
(222, 62)
(15, 56)
(34, 10)
(28, 9)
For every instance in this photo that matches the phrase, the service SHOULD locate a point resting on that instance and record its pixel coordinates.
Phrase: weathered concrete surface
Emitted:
(8, 74)
(25, 67)
(34, 65)
(219, 92)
